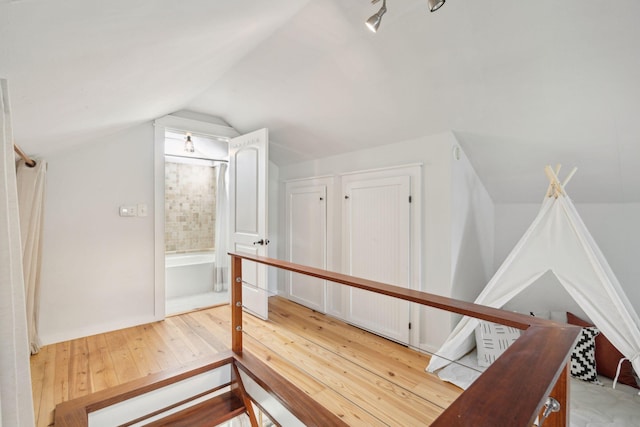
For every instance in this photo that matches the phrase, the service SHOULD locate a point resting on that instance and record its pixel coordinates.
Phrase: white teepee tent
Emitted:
(557, 240)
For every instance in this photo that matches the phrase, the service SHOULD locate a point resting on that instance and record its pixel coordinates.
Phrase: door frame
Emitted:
(180, 124)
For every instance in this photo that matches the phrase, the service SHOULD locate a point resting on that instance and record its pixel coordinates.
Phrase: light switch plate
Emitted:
(128, 211)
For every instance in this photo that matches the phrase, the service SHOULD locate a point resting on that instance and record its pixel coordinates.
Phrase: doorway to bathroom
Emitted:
(190, 138)
(195, 221)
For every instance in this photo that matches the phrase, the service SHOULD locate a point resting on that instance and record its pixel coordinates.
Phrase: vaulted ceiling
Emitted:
(522, 84)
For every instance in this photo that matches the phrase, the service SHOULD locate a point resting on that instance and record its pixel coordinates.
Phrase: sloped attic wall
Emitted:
(457, 218)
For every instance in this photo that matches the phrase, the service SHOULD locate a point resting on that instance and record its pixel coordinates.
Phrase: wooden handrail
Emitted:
(483, 312)
(512, 391)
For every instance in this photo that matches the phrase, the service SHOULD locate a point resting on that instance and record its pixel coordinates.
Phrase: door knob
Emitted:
(262, 242)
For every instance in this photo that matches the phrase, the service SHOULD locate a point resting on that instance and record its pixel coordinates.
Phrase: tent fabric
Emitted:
(558, 241)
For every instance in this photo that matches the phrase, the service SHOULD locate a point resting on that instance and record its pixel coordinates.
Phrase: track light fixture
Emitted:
(435, 4)
(374, 22)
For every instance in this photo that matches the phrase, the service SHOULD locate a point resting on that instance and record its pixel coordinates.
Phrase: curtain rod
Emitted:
(27, 160)
(196, 158)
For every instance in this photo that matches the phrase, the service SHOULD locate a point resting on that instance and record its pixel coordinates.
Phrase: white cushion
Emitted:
(492, 340)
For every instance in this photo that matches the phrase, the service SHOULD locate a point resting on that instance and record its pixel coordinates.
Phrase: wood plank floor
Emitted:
(365, 379)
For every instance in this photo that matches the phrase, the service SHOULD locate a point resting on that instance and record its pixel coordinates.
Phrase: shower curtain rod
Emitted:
(196, 158)
(27, 160)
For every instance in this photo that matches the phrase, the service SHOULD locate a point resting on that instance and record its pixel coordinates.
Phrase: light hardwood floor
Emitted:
(367, 380)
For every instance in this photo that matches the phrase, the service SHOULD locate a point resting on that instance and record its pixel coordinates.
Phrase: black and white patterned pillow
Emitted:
(583, 357)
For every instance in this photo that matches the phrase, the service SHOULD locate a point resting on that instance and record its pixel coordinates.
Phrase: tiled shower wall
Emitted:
(190, 202)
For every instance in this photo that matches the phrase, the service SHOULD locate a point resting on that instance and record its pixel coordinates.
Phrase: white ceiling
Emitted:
(522, 84)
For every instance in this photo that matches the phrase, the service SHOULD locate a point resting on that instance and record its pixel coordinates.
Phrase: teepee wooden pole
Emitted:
(550, 187)
(554, 184)
(568, 178)
(548, 193)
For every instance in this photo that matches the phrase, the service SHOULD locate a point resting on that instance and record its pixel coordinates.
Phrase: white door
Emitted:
(377, 241)
(307, 242)
(248, 161)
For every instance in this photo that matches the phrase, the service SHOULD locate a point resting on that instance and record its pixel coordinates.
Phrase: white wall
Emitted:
(472, 231)
(473, 217)
(472, 237)
(98, 267)
(614, 227)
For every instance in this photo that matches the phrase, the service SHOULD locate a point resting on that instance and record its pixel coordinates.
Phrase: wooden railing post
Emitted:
(236, 304)
(560, 392)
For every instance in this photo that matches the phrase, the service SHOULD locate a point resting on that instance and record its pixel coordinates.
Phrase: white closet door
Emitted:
(376, 217)
(307, 243)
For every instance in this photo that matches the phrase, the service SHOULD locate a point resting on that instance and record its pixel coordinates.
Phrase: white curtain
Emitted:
(31, 205)
(222, 232)
(16, 402)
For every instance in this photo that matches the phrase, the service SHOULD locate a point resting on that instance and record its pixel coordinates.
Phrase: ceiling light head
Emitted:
(435, 4)
(188, 144)
(374, 22)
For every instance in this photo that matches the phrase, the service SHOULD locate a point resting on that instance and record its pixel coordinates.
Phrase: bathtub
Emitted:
(189, 273)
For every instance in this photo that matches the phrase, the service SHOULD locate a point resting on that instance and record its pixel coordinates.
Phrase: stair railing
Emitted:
(511, 392)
